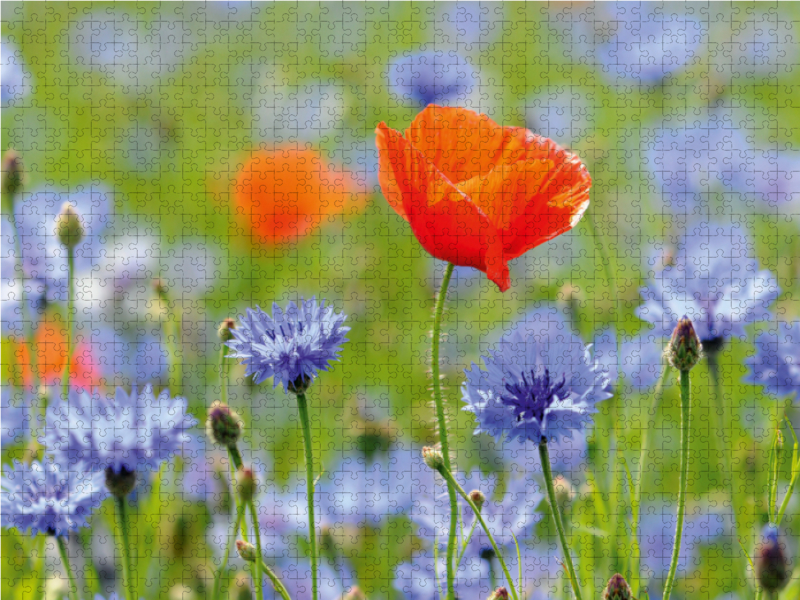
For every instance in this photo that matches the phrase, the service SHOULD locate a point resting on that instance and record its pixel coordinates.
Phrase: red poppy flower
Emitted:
(285, 192)
(477, 194)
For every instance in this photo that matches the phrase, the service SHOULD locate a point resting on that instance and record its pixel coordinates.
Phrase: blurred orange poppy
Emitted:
(284, 193)
(51, 354)
(477, 194)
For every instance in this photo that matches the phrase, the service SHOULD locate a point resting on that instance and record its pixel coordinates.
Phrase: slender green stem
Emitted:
(127, 572)
(551, 493)
(70, 318)
(302, 406)
(785, 502)
(228, 546)
(234, 464)
(223, 376)
(442, 426)
(465, 542)
(257, 580)
(448, 476)
(62, 550)
(645, 444)
(276, 583)
(686, 415)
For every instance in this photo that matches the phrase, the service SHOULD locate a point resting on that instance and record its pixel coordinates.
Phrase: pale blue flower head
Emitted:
(291, 345)
(776, 363)
(714, 281)
(43, 497)
(135, 432)
(435, 77)
(541, 383)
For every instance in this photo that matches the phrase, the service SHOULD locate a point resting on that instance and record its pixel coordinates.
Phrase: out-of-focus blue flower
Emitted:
(560, 113)
(540, 382)
(509, 516)
(48, 498)
(641, 362)
(773, 178)
(714, 281)
(470, 22)
(334, 581)
(693, 160)
(436, 77)
(657, 537)
(567, 457)
(776, 363)
(425, 579)
(16, 80)
(292, 344)
(135, 432)
(648, 40)
(15, 414)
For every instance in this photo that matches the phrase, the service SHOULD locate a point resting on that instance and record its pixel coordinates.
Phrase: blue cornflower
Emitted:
(511, 515)
(127, 433)
(715, 282)
(776, 363)
(642, 357)
(41, 497)
(542, 382)
(16, 79)
(436, 77)
(291, 346)
(649, 40)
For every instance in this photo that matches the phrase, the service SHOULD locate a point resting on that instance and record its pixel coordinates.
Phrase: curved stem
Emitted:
(302, 406)
(441, 420)
(276, 582)
(551, 493)
(453, 484)
(657, 396)
(686, 408)
(70, 318)
(257, 563)
(127, 572)
(228, 546)
(62, 550)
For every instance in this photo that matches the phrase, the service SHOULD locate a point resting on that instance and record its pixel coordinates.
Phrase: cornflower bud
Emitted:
(618, 589)
(246, 550)
(69, 226)
(433, 458)
(771, 565)
(478, 499)
(120, 484)
(224, 331)
(500, 593)
(223, 426)
(246, 484)
(684, 349)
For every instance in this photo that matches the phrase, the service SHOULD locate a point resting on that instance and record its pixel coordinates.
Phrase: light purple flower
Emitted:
(135, 432)
(776, 363)
(435, 77)
(44, 497)
(541, 382)
(16, 79)
(292, 344)
(714, 281)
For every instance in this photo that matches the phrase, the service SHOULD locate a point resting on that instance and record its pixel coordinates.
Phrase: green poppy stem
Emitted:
(302, 406)
(62, 550)
(551, 494)
(124, 527)
(70, 318)
(686, 410)
(442, 426)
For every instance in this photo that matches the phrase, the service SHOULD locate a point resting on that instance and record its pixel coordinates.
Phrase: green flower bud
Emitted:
(12, 179)
(355, 593)
(224, 331)
(478, 499)
(433, 458)
(246, 550)
(500, 593)
(223, 426)
(69, 226)
(684, 349)
(618, 589)
(246, 484)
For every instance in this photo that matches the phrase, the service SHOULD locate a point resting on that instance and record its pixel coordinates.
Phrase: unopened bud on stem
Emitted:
(69, 226)
(500, 593)
(684, 349)
(224, 331)
(478, 499)
(246, 550)
(617, 589)
(223, 426)
(433, 458)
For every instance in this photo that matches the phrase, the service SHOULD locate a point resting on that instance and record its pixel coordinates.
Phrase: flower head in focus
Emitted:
(292, 345)
(477, 194)
(540, 383)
